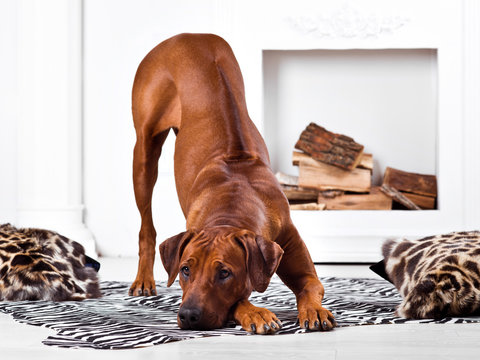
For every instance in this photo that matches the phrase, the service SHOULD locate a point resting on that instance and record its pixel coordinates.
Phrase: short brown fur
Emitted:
(238, 220)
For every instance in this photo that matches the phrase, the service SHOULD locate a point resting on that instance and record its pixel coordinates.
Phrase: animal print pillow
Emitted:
(43, 265)
(437, 276)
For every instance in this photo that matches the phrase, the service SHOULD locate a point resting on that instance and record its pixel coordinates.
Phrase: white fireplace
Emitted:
(87, 133)
(389, 76)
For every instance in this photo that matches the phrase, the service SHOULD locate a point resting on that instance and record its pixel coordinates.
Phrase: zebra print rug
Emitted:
(118, 321)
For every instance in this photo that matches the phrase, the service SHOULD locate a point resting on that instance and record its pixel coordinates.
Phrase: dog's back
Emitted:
(192, 72)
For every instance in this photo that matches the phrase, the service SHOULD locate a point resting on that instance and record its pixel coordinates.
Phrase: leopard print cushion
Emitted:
(38, 264)
(437, 276)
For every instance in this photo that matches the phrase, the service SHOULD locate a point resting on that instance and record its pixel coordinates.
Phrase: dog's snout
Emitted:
(189, 317)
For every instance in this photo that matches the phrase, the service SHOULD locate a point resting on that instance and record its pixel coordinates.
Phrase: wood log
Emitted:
(318, 175)
(366, 162)
(411, 182)
(375, 200)
(359, 180)
(295, 193)
(333, 149)
(425, 202)
(330, 194)
(286, 179)
(309, 206)
(299, 157)
(399, 197)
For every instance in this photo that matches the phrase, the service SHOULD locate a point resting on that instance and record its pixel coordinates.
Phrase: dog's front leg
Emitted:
(311, 314)
(255, 319)
(297, 271)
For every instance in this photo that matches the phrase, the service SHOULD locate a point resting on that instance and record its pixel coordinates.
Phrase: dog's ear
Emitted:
(171, 251)
(263, 258)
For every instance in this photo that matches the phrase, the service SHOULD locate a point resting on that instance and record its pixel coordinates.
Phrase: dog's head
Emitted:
(217, 269)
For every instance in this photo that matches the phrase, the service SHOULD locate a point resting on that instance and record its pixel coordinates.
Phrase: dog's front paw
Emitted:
(313, 316)
(143, 286)
(256, 319)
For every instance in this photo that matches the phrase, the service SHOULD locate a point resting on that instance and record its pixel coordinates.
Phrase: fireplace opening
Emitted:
(385, 99)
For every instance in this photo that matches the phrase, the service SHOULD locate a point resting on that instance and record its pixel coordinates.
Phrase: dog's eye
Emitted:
(185, 271)
(223, 274)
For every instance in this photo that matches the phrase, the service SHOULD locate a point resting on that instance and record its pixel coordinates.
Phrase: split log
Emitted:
(330, 194)
(358, 180)
(295, 193)
(375, 200)
(366, 162)
(318, 175)
(424, 202)
(330, 148)
(299, 157)
(411, 182)
(286, 179)
(399, 197)
(309, 206)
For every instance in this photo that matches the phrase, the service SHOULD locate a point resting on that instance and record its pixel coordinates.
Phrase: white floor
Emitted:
(413, 341)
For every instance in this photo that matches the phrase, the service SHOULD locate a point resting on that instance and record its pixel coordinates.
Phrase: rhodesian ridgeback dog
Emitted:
(239, 231)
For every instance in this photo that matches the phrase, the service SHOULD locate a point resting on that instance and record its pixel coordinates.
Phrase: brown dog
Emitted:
(238, 220)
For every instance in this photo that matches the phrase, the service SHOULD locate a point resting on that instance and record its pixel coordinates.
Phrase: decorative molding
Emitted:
(347, 22)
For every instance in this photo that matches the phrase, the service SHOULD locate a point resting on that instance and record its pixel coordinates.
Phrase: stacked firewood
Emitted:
(336, 174)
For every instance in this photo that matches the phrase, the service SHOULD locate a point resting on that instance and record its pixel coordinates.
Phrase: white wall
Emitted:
(8, 117)
(118, 34)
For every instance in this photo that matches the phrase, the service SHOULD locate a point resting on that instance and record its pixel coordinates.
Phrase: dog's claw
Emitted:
(333, 321)
(149, 292)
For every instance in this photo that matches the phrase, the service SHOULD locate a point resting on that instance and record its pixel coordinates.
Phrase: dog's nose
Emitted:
(189, 317)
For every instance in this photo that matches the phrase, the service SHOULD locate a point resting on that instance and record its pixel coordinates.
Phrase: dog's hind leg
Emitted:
(145, 170)
(156, 109)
